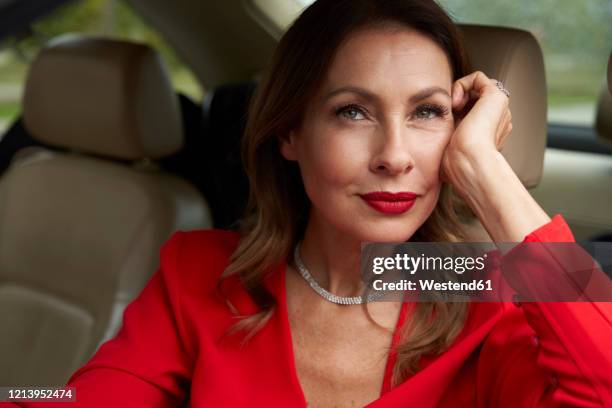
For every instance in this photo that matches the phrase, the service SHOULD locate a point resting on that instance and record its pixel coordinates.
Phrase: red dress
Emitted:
(168, 352)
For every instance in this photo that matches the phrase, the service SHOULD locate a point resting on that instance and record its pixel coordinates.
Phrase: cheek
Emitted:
(428, 158)
(329, 158)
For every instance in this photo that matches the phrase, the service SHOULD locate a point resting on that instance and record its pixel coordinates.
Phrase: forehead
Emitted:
(389, 57)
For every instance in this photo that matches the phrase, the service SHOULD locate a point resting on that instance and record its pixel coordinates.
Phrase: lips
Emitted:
(390, 203)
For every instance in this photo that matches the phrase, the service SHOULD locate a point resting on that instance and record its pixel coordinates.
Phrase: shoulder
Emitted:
(213, 243)
(196, 259)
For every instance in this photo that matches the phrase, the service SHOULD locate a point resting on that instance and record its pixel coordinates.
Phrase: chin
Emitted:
(389, 231)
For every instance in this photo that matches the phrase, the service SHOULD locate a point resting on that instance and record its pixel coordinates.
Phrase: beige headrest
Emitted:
(103, 96)
(610, 73)
(603, 121)
(514, 57)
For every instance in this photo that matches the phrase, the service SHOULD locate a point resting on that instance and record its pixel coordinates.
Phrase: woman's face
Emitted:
(379, 123)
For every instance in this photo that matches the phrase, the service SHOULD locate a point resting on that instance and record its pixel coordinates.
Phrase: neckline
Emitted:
(281, 290)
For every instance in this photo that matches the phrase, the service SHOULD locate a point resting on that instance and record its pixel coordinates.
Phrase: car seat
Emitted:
(82, 225)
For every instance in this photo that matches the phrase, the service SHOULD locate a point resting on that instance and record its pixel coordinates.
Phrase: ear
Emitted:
(288, 146)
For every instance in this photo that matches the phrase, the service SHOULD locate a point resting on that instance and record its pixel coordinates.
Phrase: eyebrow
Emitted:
(417, 97)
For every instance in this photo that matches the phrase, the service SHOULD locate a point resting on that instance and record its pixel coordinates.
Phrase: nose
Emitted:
(392, 155)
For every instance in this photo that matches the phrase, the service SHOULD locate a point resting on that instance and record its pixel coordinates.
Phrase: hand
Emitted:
(482, 123)
(473, 164)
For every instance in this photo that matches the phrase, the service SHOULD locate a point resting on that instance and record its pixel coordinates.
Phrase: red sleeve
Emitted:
(146, 363)
(571, 343)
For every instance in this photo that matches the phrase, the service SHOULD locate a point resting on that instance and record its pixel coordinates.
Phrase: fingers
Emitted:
(504, 130)
(478, 85)
(474, 85)
(476, 82)
(458, 96)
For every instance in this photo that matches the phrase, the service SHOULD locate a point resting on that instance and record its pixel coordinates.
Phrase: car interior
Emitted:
(106, 159)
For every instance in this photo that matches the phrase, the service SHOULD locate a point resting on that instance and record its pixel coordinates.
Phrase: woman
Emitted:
(367, 117)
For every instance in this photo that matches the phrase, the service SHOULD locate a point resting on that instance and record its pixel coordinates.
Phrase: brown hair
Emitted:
(278, 206)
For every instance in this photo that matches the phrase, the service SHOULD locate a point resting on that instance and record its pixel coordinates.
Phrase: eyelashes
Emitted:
(438, 110)
(344, 110)
(356, 112)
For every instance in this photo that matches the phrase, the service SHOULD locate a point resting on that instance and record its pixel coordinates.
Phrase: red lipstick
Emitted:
(390, 203)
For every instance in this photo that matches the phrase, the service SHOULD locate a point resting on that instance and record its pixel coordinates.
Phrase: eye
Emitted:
(351, 112)
(430, 111)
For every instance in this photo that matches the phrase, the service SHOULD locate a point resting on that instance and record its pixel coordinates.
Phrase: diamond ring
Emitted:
(501, 87)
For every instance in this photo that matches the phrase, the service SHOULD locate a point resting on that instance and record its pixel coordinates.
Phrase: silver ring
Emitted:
(501, 87)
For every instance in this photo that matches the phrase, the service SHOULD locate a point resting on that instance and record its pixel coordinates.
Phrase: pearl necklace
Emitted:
(341, 300)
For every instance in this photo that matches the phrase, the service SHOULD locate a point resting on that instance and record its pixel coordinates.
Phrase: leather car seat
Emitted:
(82, 228)
(576, 182)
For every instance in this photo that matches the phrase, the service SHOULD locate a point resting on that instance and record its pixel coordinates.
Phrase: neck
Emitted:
(332, 258)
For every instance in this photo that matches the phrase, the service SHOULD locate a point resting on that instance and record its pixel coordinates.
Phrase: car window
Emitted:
(109, 18)
(575, 36)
